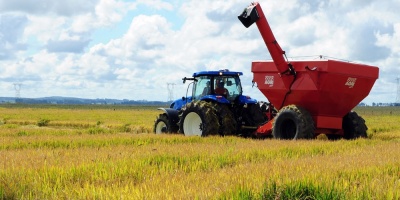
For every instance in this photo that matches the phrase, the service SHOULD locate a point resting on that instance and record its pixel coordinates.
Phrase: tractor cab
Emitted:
(223, 86)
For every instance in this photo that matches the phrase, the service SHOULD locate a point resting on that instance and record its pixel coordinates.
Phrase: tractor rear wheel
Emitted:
(354, 126)
(293, 122)
(162, 125)
(199, 118)
(226, 120)
(254, 115)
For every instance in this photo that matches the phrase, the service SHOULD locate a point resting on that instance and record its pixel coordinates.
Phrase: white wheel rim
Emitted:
(160, 126)
(192, 124)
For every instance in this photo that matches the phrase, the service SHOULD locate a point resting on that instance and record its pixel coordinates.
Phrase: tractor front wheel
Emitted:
(199, 118)
(354, 126)
(162, 125)
(293, 122)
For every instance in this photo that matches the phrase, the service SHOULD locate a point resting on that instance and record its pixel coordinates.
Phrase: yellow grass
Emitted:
(102, 153)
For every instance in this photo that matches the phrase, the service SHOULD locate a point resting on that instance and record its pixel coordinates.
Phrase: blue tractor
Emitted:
(216, 107)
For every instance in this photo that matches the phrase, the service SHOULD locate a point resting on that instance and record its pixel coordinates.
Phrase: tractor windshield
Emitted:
(227, 86)
(231, 87)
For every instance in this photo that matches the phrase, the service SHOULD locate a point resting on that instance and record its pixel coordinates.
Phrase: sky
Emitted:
(125, 49)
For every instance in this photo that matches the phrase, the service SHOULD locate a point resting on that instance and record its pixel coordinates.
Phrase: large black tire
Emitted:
(162, 125)
(253, 115)
(354, 126)
(293, 122)
(199, 118)
(227, 121)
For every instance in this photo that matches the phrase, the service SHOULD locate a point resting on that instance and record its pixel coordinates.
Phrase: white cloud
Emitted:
(153, 50)
(106, 13)
(44, 28)
(156, 4)
(47, 7)
(11, 42)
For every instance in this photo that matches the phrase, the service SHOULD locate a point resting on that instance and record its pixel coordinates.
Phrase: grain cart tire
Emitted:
(293, 122)
(354, 126)
(199, 118)
(162, 125)
(226, 120)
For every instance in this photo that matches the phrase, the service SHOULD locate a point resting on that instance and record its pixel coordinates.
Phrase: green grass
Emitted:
(297, 190)
(102, 153)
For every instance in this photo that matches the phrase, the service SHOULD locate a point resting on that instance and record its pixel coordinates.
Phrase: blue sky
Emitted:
(132, 49)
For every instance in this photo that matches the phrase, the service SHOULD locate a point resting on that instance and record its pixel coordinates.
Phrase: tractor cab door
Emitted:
(202, 87)
(213, 85)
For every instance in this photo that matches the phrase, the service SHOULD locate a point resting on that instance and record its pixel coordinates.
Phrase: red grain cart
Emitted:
(312, 97)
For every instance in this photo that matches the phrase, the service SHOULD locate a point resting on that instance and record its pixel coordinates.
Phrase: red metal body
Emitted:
(328, 89)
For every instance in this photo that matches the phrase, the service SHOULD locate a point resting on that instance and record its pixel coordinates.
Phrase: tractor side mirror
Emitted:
(190, 79)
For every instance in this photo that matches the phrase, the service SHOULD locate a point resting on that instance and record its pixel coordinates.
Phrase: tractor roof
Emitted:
(217, 73)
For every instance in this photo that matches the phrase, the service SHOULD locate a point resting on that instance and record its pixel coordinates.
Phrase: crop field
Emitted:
(110, 152)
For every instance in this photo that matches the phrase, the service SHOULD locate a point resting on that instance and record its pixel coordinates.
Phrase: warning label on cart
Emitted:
(269, 80)
(351, 82)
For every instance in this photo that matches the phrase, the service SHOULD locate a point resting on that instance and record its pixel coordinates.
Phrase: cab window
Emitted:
(202, 87)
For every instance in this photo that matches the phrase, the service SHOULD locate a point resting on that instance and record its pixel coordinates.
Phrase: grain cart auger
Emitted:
(312, 97)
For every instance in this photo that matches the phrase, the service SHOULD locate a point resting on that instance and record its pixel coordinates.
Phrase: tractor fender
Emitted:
(246, 100)
(172, 114)
(179, 103)
(215, 98)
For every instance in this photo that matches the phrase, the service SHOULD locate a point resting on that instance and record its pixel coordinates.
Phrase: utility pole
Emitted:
(170, 87)
(17, 88)
(398, 90)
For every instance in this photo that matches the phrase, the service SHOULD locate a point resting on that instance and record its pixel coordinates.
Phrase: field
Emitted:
(110, 152)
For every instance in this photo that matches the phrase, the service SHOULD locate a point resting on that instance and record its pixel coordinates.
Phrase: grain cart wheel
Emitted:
(162, 125)
(354, 126)
(293, 122)
(199, 118)
(226, 120)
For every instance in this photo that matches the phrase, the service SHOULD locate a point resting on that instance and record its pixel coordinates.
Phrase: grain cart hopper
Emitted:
(312, 97)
